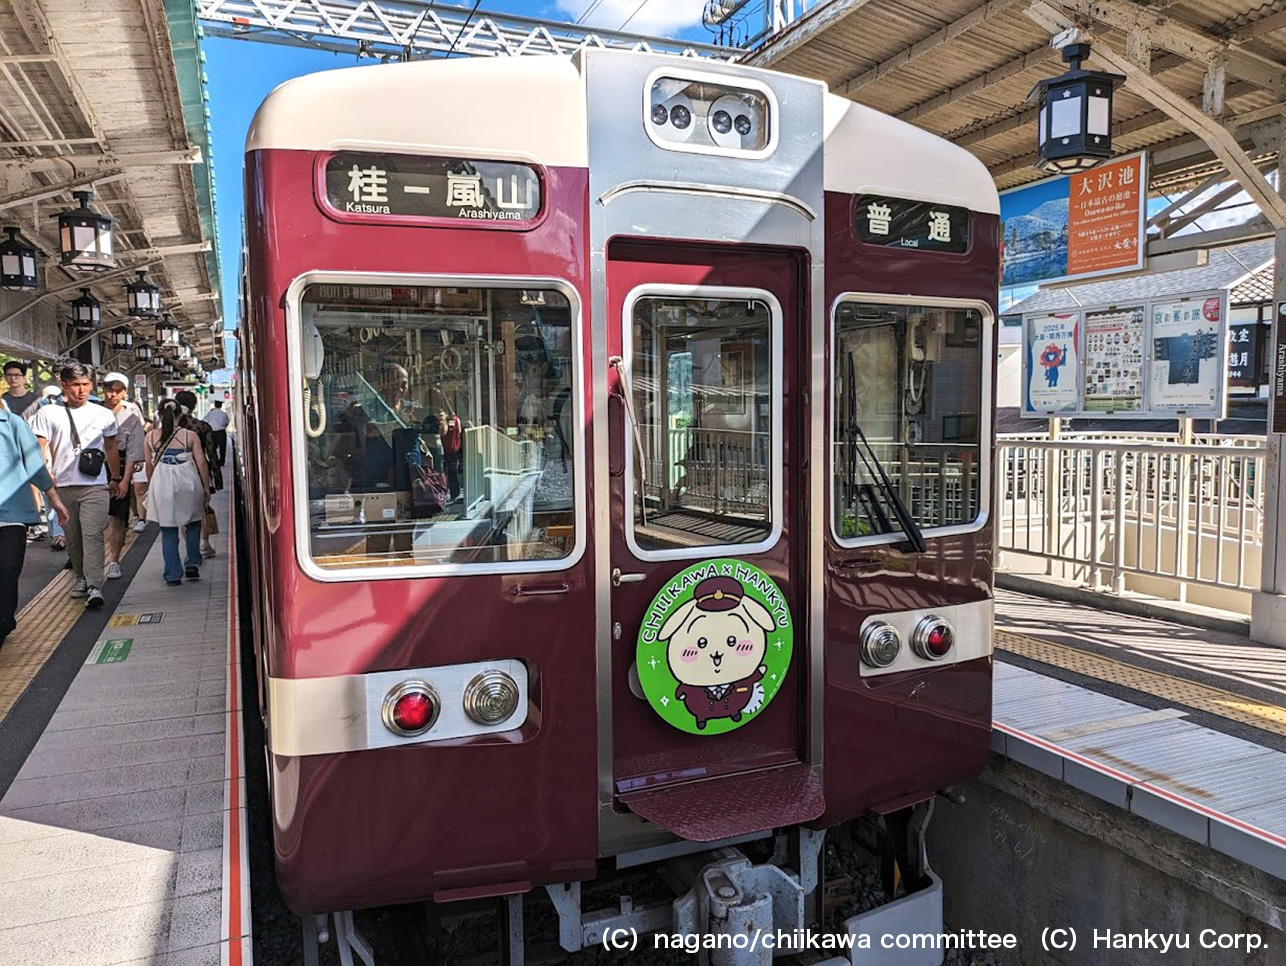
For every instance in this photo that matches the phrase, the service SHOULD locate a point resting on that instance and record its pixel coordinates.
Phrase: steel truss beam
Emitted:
(416, 29)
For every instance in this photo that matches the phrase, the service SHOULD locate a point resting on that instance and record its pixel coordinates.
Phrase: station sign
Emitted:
(900, 223)
(1277, 411)
(402, 186)
(1157, 359)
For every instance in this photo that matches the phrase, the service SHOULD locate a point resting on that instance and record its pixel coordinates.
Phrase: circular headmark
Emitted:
(714, 646)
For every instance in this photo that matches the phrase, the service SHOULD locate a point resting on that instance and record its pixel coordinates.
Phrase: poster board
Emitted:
(1051, 364)
(1072, 227)
(1114, 360)
(1163, 358)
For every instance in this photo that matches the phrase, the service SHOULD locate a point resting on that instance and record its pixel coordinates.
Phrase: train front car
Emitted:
(617, 438)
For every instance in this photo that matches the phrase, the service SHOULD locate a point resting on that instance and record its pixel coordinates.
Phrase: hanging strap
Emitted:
(75, 436)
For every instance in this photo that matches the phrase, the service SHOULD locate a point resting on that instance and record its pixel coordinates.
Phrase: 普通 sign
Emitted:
(899, 223)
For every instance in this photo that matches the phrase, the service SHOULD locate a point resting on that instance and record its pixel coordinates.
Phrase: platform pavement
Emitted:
(1180, 726)
(114, 837)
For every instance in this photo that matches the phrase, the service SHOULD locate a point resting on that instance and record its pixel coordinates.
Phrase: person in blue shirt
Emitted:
(21, 465)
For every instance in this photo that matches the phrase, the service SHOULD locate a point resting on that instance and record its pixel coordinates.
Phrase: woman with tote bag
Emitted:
(178, 491)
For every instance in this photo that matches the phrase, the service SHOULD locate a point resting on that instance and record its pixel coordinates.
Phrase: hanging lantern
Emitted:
(143, 352)
(185, 351)
(122, 339)
(144, 298)
(86, 313)
(167, 333)
(85, 237)
(1075, 117)
(17, 264)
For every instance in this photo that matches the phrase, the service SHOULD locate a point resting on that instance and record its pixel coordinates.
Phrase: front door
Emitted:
(708, 600)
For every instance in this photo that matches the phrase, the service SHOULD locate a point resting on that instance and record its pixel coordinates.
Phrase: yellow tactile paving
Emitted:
(42, 625)
(1235, 707)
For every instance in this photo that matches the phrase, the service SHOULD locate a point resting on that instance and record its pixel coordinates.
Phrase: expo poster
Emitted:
(1051, 363)
(1187, 358)
(1088, 224)
(1113, 364)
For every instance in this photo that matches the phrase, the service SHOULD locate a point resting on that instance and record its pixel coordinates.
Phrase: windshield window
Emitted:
(910, 378)
(440, 424)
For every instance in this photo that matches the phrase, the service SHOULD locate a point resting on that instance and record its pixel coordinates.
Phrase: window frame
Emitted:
(776, 470)
(298, 440)
(986, 414)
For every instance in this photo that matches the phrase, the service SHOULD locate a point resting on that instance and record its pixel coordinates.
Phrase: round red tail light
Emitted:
(933, 639)
(410, 709)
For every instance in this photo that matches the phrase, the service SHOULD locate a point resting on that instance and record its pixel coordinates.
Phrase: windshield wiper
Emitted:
(875, 470)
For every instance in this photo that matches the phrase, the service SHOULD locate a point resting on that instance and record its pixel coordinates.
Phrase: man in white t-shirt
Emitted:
(86, 497)
(218, 420)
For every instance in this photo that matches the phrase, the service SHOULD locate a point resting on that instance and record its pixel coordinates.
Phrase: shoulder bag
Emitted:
(89, 461)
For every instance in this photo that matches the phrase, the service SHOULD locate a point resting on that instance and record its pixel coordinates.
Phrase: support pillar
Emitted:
(1268, 605)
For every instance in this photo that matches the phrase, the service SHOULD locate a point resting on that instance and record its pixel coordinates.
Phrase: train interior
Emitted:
(908, 394)
(439, 424)
(702, 390)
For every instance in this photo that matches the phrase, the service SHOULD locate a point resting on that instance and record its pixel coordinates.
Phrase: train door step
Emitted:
(727, 806)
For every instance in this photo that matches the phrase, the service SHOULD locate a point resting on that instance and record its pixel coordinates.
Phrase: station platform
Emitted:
(122, 796)
(1181, 726)
(122, 802)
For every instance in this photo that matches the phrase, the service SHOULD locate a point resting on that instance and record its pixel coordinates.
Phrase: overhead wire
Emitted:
(467, 21)
(642, 4)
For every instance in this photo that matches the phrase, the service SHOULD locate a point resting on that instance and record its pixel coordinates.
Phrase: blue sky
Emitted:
(242, 73)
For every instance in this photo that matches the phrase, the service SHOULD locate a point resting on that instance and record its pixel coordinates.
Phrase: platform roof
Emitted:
(110, 94)
(963, 69)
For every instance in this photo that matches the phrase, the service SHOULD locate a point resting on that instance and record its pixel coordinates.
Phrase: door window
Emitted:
(440, 426)
(705, 382)
(910, 379)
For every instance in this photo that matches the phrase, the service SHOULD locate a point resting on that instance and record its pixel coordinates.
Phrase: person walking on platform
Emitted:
(22, 467)
(22, 402)
(186, 399)
(79, 441)
(129, 444)
(178, 491)
(219, 420)
(51, 395)
(17, 396)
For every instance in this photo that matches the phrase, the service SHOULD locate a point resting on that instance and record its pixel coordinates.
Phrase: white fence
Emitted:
(1179, 521)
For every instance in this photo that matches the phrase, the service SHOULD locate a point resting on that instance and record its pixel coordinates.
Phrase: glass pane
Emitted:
(702, 387)
(1098, 115)
(909, 378)
(441, 424)
(1065, 117)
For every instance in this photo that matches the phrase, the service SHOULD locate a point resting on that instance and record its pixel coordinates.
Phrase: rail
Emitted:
(1103, 511)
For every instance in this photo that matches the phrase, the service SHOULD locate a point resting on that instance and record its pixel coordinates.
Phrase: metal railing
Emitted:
(1107, 509)
(493, 464)
(723, 471)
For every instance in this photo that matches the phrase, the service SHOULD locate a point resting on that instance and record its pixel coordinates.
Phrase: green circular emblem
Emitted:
(714, 646)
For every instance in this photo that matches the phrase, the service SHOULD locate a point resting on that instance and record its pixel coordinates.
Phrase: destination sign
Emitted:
(403, 185)
(899, 223)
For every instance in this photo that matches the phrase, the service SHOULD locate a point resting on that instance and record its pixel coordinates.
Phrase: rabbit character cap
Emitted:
(718, 593)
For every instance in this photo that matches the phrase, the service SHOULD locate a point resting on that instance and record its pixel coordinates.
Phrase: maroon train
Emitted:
(567, 387)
